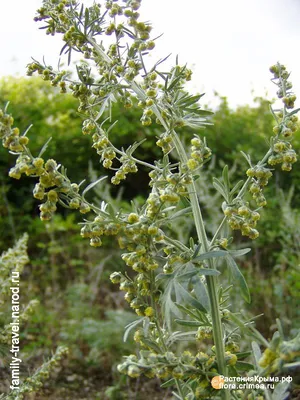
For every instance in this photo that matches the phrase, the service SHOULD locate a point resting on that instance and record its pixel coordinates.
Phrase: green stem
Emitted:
(269, 152)
(211, 280)
(179, 388)
(218, 231)
(157, 313)
(244, 188)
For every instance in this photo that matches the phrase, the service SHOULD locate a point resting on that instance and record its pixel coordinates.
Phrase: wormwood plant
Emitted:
(12, 263)
(175, 287)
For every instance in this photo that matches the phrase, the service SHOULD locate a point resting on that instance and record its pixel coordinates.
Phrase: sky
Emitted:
(229, 44)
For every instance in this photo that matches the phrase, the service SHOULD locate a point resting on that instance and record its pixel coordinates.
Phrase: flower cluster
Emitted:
(241, 217)
(136, 292)
(286, 121)
(280, 354)
(13, 259)
(100, 226)
(116, 67)
(199, 153)
(62, 17)
(167, 187)
(137, 236)
(11, 262)
(238, 213)
(128, 165)
(174, 258)
(283, 154)
(11, 136)
(58, 185)
(61, 10)
(150, 86)
(36, 381)
(48, 74)
(167, 365)
(284, 92)
(108, 153)
(259, 179)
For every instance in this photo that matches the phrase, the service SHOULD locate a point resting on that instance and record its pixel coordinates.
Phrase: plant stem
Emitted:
(211, 280)
(218, 231)
(179, 388)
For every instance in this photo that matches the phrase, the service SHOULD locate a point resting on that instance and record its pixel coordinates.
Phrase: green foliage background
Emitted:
(64, 269)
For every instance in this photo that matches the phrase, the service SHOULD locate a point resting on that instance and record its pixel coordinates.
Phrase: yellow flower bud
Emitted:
(149, 312)
(192, 164)
(52, 196)
(38, 162)
(132, 218)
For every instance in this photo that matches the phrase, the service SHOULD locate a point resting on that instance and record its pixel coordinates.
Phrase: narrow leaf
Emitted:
(281, 392)
(134, 146)
(91, 185)
(152, 345)
(247, 157)
(184, 201)
(164, 277)
(236, 188)
(226, 177)
(183, 294)
(238, 277)
(187, 311)
(69, 55)
(256, 352)
(181, 212)
(280, 329)
(81, 11)
(63, 48)
(102, 108)
(208, 271)
(129, 327)
(187, 275)
(238, 253)
(295, 364)
(177, 396)
(86, 17)
(196, 252)
(44, 148)
(242, 355)
(188, 323)
(244, 366)
(170, 382)
(187, 100)
(211, 254)
(198, 111)
(294, 111)
(174, 82)
(201, 294)
(220, 188)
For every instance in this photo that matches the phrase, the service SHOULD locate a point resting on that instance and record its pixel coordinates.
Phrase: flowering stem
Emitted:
(210, 280)
(200, 228)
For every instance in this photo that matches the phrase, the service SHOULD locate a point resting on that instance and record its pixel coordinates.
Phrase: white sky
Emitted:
(229, 44)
